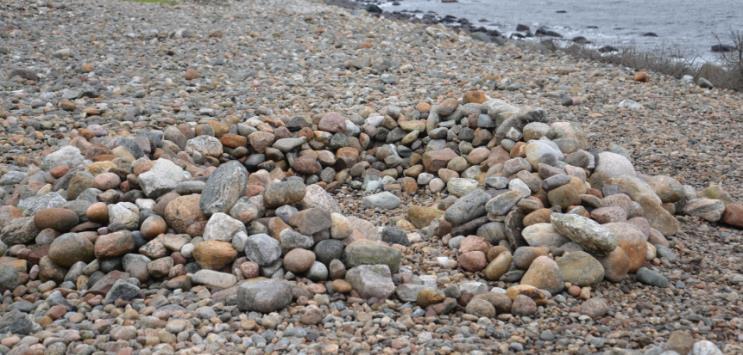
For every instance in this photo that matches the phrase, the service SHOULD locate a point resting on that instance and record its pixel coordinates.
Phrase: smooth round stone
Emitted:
(580, 268)
(59, 219)
(106, 181)
(436, 185)
(544, 273)
(498, 266)
(523, 256)
(480, 308)
(523, 306)
(153, 226)
(70, 248)
(318, 272)
(329, 249)
(299, 260)
(472, 261)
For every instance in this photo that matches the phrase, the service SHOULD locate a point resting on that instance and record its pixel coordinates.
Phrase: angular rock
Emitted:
(316, 196)
(567, 195)
(223, 188)
(467, 207)
(122, 289)
(123, 215)
(291, 239)
(136, 266)
(205, 146)
(222, 227)
(163, 177)
(67, 155)
(311, 221)
(433, 160)
(422, 216)
(585, 232)
(16, 322)
(501, 204)
(289, 192)
(709, 209)
(461, 186)
(543, 151)
(543, 234)
(8, 279)
(19, 231)
(366, 252)
(262, 249)
(50, 200)
(371, 281)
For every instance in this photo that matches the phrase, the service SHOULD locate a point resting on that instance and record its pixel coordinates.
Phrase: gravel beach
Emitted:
(106, 71)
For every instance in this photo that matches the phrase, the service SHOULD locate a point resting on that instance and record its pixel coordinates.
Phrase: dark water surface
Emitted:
(687, 27)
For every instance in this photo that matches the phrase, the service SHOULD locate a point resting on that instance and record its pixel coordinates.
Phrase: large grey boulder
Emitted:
(467, 208)
(371, 281)
(223, 188)
(586, 232)
(264, 296)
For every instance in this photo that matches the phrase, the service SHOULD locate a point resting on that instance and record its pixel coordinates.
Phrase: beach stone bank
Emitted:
(244, 208)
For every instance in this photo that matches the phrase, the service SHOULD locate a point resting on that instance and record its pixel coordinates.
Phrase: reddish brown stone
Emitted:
(261, 140)
(733, 215)
(434, 160)
(59, 219)
(472, 261)
(214, 254)
(348, 156)
(233, 140)
(114, 244)
(184, 215)
(332, 122)
(191, 74)
(306, 165)
(476, 96)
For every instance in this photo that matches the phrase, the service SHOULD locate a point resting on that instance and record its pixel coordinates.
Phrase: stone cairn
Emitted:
(243, 207)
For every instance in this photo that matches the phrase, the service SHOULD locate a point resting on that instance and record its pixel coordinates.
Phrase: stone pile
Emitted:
(225, 201)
